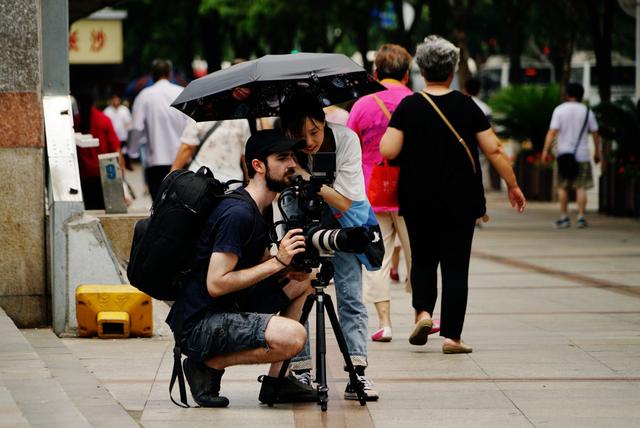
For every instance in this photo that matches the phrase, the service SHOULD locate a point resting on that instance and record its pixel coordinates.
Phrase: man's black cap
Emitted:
(264, 143)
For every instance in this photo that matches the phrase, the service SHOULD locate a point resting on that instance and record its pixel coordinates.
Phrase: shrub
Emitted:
(523, 112)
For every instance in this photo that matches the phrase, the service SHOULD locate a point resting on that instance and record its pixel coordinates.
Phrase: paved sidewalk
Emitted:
(553, 316)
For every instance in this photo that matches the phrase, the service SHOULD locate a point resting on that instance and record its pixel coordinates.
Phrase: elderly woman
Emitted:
(434, 136)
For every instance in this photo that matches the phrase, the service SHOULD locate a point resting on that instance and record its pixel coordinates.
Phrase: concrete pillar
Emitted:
(23, 288)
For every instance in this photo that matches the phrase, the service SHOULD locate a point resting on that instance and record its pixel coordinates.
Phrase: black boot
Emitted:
(291, 391)
(204, 383)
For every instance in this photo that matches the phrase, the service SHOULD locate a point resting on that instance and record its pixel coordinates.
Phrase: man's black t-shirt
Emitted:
(435, 169)
(235, 226)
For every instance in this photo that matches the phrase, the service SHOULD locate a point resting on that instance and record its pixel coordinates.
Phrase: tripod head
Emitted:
(324, 275)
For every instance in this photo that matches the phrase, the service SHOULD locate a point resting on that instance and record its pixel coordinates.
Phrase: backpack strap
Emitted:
(444, 118)
(177, 372)
(250, 201)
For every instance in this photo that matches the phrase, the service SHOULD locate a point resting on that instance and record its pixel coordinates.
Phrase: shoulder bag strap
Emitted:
(383, 107)
(584, 126)
(385, 110)
(444, 118)
(202, 140)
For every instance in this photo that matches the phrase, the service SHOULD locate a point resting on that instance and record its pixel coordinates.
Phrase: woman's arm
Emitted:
(391, 143)
(328, 194)
(334, 198)
(490, 146)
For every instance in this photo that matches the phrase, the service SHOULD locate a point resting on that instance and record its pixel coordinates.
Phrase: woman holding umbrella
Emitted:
(302, 117)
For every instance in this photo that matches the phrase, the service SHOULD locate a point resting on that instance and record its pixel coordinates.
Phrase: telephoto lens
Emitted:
(349, 239)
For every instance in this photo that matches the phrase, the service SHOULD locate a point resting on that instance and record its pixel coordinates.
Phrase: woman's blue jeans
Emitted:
(351, 312)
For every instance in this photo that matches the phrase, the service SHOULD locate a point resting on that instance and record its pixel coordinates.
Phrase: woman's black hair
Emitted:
(297, 108)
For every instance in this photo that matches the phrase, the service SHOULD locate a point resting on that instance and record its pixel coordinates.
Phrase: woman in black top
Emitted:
(439, 164)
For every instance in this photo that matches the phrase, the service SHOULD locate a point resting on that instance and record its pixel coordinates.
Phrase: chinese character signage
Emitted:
(95, 42)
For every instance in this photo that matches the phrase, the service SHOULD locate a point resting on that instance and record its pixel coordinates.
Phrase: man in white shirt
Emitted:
(570, 123)
(158, 124)
(121, 119)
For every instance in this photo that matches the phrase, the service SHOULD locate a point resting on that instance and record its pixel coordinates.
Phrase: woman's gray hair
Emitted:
(437, 58)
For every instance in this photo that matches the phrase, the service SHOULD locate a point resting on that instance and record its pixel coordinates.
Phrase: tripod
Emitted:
(323, 301)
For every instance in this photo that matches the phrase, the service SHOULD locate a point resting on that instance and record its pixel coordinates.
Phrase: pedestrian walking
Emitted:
(369, 118)
(570, 123)
(121, 120)
(157, 126)
(90, 120)
(435, 135)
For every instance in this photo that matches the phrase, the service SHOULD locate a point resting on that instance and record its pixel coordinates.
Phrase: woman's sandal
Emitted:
(421, 332)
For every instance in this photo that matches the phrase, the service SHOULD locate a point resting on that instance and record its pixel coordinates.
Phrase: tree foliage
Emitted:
(226, 29)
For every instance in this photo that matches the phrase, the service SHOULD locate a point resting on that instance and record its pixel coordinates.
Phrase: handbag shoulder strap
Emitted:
(383, 107)
(444, 118)
(385, 110)
(584, 125)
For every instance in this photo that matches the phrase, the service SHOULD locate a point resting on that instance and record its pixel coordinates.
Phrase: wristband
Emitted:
(280, 261)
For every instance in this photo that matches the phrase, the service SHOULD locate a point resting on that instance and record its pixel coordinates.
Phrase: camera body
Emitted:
(303, 208)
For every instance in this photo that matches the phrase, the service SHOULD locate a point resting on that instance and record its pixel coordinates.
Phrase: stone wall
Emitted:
(23, 290)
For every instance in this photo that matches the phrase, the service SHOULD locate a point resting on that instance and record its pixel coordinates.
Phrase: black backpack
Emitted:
(163, 247)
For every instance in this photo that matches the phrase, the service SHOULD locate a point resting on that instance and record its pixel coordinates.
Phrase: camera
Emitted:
(302, 208)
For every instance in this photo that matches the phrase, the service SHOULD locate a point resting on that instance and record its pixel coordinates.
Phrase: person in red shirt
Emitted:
(92, 121)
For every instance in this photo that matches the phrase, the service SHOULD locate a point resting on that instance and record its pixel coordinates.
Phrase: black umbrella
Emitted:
(334, 78)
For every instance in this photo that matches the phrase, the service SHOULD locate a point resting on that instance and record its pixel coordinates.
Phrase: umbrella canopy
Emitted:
(334, 78)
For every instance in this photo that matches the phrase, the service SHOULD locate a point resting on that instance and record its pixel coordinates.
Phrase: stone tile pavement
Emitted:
(553, 316)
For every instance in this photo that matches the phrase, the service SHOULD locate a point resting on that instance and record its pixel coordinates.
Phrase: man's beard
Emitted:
(278, 185)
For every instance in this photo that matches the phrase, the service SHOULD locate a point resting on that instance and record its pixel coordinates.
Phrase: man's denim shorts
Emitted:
(225, 332)
(220, 333)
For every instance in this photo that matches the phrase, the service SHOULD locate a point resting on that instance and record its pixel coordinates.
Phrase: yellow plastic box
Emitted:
(113, 311)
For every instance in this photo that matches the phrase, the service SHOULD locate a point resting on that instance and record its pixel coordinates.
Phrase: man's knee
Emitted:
(285, 334)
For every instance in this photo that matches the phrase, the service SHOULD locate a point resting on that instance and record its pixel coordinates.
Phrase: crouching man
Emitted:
(229, 307)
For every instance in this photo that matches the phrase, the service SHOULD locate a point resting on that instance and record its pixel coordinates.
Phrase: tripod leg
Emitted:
(306, 309)
(321, 351)
(342, 344)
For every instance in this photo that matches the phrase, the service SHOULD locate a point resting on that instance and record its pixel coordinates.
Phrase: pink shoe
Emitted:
(382, 335)
(436, 327)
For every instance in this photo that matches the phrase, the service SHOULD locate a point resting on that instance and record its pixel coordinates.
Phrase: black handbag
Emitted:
(568, 167)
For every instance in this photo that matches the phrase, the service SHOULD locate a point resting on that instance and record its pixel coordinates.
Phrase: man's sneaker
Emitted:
(562, 223)
(382, 335)
(303, 376)
(581, 223)
(369, 393)
(204, 383)
(291, 391)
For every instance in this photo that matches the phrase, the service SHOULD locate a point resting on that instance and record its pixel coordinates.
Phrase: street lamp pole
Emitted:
(637, 94)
